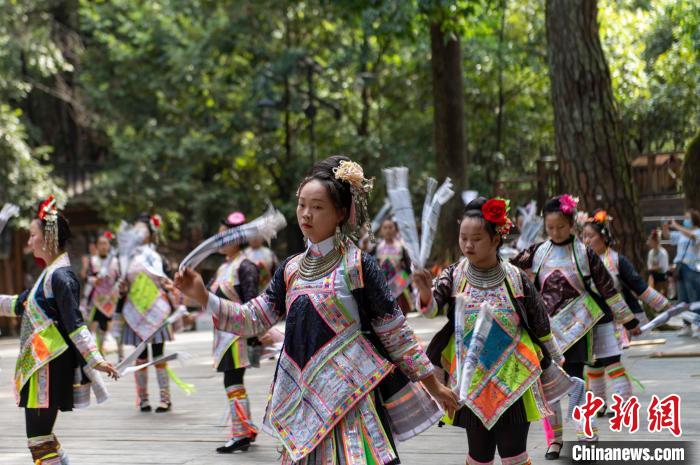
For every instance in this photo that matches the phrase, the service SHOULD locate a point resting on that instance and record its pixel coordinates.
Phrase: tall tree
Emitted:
(448, 121)
(589, 139)
(448, 111)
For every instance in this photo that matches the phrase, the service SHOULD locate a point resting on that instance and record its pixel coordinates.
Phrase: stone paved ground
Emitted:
(116, 433)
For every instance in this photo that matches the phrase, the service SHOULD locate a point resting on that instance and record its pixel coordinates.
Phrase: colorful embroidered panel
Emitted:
(7, 305)
(85, 343)
(358, 439)
(333, 372)
(306, 404)
(143, 293)
(105, 293)
(226, 279)
(567, 260)
(575, 320)
(146, 308)
(509, 364)
(40, 342)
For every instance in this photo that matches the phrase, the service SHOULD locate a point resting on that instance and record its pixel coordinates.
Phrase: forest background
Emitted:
(192, 108)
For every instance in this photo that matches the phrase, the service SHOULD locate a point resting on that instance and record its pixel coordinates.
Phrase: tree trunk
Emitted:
(691, 174)
(590, 143)
(449, 144)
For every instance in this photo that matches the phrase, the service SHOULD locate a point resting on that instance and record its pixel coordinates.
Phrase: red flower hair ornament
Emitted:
(496, 211)
(46, 207)
(155, 221)
(48, 214)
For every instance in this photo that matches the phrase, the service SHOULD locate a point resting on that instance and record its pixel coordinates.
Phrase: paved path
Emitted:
(116, 433)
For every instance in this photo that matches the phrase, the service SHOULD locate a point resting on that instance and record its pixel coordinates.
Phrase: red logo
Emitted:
(626, 414)
(583, 413)
(665, 414)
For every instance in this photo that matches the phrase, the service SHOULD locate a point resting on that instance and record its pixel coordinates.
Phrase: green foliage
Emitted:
(27, 56)
(653, 49)
(515, 66)
(207, 106)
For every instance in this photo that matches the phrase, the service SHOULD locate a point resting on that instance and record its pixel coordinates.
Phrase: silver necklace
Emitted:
(485, 279)
(312, 268)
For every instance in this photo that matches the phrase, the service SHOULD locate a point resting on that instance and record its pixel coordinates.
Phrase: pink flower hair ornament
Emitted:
(568, 204)
(235, 218)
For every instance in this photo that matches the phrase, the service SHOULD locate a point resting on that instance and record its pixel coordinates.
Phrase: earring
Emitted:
(338, 239)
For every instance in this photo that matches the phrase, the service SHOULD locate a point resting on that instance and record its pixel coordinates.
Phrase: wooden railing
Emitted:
(541, 185)
(657, 175)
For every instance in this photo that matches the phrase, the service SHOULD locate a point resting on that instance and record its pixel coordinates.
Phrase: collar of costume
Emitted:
(485, 278)
(321, 249)
(319, 260)
(566, 242)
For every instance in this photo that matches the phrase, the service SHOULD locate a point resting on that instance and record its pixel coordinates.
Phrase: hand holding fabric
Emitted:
(190, 283)
(442, 394)
(108, 368)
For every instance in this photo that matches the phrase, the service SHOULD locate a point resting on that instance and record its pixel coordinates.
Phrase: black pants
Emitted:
(574, 369)
(509, 439)
(606, 361)
(232, 377)
(157, 350)
(101, 319)
(39, 421)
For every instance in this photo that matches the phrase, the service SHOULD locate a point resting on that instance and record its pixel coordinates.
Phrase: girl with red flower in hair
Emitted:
(565, 273)
(505, 393)
(236, 280)
(58, 358)
(144, 307)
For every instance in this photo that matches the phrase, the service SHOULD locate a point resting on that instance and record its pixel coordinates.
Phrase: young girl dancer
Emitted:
(505, 393)
(334, 398)
(57, 352)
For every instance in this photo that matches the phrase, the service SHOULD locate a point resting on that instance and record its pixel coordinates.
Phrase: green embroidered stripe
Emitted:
(77, 330)
(33, 394)
(531, 411)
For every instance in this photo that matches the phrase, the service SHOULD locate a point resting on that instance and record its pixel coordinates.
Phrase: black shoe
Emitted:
(164, 407)
(145, 407)
(553, 454)
(234, 445)
(602, 411)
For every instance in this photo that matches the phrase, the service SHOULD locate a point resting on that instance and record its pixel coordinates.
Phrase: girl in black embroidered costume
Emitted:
(335, 397)
(58, 356)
